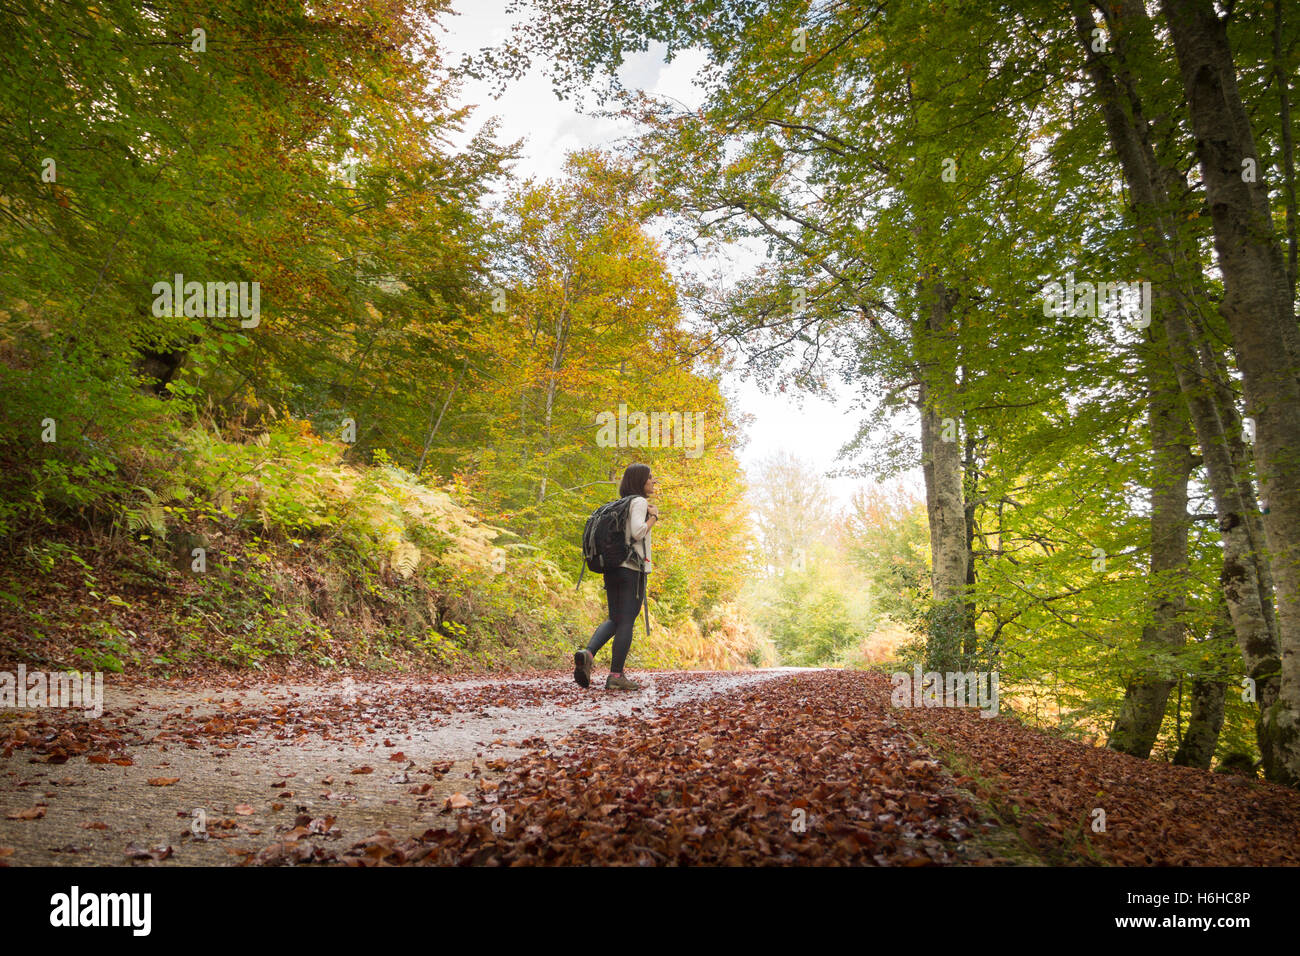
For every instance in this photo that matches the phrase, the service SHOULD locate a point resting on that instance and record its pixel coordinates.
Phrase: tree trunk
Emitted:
(1266, 340)
(435, 425)
(941, 461)
(1209, 692)
(562, 327)
(1138, 722)
(1246, 582)
(1283, 84)
(970, 479)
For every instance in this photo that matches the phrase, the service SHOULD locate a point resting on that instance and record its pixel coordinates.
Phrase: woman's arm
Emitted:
(638, 523)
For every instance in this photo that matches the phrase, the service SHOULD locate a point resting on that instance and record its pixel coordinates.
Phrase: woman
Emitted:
(623, 585)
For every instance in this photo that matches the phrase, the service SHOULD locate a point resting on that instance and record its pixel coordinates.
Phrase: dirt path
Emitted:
(319, 767)
(748, 768)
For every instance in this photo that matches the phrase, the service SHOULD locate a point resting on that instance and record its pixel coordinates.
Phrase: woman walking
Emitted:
(623, 585)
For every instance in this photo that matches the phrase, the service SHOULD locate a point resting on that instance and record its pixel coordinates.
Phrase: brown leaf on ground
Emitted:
(1156, 814)
(31, 813)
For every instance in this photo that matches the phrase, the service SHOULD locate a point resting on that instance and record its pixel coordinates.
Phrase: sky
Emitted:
(812, 429)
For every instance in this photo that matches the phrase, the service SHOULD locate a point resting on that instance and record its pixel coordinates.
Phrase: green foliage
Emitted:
(378, 324)
(889, 544)
(392, 463)
(832, 151)
(811, 615)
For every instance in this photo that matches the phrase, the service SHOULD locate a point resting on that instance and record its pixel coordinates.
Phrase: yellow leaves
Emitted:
(293, 481)
(404, 558)
(389, 506)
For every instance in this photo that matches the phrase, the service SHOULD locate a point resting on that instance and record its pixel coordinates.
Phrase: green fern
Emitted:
(147, 515)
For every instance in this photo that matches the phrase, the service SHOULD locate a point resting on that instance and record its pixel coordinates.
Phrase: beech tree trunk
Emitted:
(1258, 308)
(941, 462)
(1209, 693)
(970, 486)
(1246, 580)
(1138, 722)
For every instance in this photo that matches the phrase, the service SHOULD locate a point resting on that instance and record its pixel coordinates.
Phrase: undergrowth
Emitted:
(268, 552)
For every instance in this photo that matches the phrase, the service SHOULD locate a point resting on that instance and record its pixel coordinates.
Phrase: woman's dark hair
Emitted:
(634, 480)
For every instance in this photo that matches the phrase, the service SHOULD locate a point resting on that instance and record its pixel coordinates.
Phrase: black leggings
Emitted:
(623, 592)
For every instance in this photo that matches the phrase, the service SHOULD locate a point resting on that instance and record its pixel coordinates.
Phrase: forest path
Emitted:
(339, 760)
(753, 767)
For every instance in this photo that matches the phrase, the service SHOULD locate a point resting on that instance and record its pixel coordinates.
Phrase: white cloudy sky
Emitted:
(814, 429)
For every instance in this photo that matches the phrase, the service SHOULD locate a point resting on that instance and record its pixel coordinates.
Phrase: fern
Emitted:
(404, 558)
(148, 515)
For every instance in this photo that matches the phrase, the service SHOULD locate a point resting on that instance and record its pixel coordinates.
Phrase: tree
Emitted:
(793, 509)
(1258, 305)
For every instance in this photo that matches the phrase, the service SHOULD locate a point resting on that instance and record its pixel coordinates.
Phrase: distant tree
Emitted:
(793, 508)
(887, 540)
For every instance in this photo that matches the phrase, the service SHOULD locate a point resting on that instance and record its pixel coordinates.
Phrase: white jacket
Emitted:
(637, 533)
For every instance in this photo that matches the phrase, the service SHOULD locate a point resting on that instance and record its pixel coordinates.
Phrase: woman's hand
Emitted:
(652, 511)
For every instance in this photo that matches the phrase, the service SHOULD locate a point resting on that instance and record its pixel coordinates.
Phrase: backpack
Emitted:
(604, 537)
(605, 543)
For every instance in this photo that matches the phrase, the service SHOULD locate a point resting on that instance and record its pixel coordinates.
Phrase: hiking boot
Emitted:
(619, 682)
(582, 662)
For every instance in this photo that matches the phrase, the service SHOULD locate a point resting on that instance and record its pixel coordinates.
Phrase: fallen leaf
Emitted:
(31, 813)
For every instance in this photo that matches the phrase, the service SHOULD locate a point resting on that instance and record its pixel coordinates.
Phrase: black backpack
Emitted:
(605, 545)
(604, 537)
